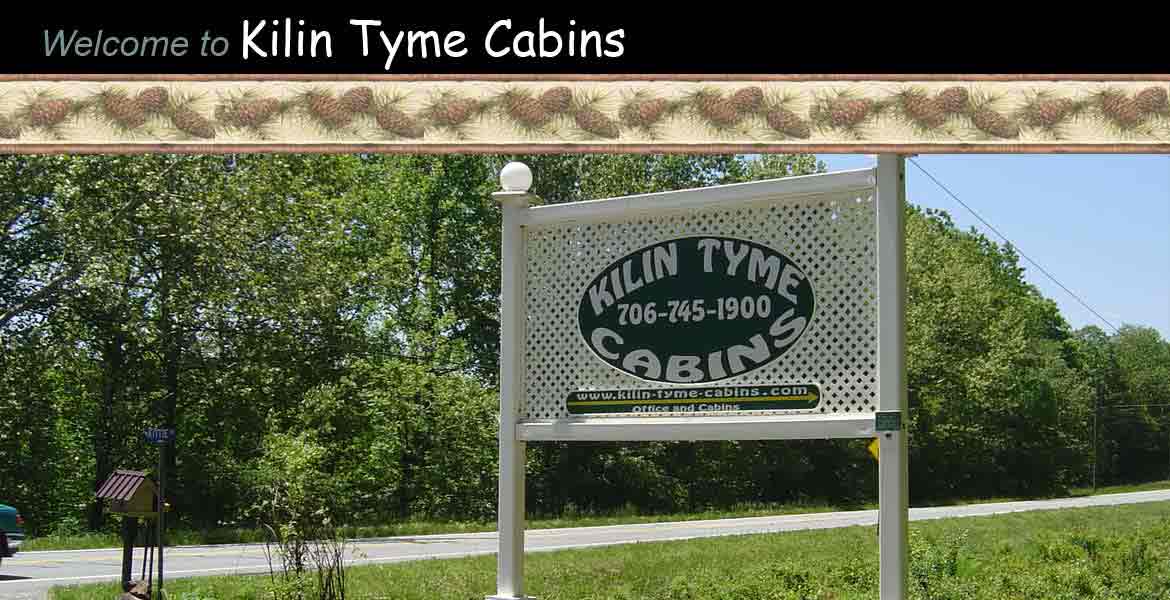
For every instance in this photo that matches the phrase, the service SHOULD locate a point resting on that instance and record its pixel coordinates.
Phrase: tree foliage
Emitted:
(347, 305)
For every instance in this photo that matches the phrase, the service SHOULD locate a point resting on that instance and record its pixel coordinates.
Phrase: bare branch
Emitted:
(38, 296)
(75, 271)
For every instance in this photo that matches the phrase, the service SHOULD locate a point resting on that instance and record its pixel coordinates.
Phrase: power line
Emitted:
(1013, 244)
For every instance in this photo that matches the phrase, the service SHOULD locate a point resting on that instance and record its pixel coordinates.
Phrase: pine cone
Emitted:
(846, 113)
(716, 109)
(526, 110)
(748, 100)
(399, 123)
(49, 113)
(252, 113)
(643, 113)
(788, 123)
(9, 128)
(358, 100)
(328, 110)
(594, 121)
(269, 106)
(118, 107)
(454, 112)
(557, 100)
(1047, 113)
(1120, 109)
(954, 100)
(188, 121)
(927, 112)
(1153, 101)
(994, 124)
(153, 100)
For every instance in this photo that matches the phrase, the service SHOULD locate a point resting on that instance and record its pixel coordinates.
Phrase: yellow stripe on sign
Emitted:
(874, 447)
(805, 397)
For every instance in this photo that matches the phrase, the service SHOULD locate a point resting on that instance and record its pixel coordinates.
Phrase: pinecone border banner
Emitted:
(671, 114)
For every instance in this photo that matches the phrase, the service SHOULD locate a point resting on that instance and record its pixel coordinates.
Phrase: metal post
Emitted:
(147, 553)
(510, 573)
(162, 486)
(893, 471)
(1096, 450)
(149, 565)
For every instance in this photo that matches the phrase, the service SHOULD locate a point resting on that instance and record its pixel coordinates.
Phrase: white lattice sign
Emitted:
(735, 301)
(754, 311)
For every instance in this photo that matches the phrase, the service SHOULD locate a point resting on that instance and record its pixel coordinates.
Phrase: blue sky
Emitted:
(1099, 223)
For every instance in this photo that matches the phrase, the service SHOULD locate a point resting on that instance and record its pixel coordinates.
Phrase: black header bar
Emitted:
(716, 39)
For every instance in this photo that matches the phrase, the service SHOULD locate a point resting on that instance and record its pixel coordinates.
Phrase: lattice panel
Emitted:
(831, 237)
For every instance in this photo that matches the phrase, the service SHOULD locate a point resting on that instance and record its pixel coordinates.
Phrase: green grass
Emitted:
(1073, 493)
(188, 537)
(1120, 553)
(1122, 489)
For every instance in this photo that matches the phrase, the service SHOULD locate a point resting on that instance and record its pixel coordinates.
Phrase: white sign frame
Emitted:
(889, 180)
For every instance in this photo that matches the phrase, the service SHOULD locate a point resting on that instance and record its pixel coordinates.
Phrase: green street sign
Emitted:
(887, 421)
(695, 309)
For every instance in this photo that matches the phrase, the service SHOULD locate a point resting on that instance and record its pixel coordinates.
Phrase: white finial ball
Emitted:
(516, 177)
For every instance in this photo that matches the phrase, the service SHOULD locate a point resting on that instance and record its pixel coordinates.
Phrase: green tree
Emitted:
(996, 408)
(349, 304)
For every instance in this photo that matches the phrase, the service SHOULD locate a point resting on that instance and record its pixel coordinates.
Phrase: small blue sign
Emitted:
(159, 436)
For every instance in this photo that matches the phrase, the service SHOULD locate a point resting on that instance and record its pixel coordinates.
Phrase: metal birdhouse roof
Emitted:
(122, 484)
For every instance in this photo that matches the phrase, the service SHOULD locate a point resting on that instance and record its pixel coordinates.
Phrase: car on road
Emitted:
(11, 531)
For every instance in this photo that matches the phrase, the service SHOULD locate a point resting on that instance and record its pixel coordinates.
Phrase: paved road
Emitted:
(30, 574)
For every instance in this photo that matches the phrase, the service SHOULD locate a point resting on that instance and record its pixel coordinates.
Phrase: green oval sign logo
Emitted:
(696, 309)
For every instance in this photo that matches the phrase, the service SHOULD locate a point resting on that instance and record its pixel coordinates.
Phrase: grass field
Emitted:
(184, 537)
(1114, 553)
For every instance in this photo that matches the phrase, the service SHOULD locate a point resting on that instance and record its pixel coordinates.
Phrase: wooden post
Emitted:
(129, 534)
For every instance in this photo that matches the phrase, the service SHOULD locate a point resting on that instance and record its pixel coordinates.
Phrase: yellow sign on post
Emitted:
(873, 448)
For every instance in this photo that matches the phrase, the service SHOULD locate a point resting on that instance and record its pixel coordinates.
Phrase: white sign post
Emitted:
(514, 200)
(764, 310)
(893, 463)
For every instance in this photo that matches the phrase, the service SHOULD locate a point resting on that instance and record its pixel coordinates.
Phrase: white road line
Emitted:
(703, 529)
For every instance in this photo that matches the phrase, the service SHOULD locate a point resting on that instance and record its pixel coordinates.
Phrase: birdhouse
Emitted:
(130, 493)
